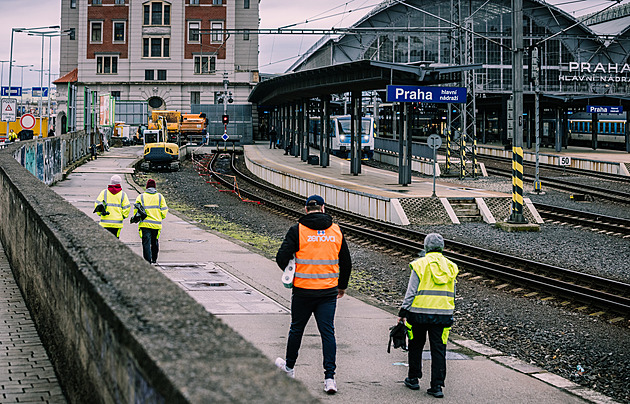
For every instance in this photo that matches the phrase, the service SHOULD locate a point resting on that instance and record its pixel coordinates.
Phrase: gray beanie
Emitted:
(433, 242)
(115, 180)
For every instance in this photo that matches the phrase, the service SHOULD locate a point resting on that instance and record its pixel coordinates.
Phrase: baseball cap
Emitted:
(315, 200)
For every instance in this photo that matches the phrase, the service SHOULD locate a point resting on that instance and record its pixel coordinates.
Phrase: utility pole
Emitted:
(517, 88)
(536, 77)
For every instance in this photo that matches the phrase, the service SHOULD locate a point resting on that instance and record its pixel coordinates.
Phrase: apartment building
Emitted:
(172, 54)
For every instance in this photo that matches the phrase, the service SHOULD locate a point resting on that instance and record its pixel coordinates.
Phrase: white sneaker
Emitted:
(330, 386)
(282, 365)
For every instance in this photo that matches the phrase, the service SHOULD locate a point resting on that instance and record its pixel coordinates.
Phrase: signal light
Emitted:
(226, 119)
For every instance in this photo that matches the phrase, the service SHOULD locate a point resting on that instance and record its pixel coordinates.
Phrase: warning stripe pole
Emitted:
(517, 186)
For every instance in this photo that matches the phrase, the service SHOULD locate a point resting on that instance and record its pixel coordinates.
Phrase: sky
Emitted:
(277, 52)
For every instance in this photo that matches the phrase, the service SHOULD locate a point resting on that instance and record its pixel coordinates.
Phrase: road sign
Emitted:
(9, 109)
(434, 141)
(15, 91)
(35, 91)
(225, 137)
(27, 121)
(564, 161)
(432, 95)
(594, 109)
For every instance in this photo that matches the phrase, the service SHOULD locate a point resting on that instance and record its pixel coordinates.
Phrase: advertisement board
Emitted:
(106, 110)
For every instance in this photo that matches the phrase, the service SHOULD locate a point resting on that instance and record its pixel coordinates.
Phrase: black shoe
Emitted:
(412, 383)
(436, 391)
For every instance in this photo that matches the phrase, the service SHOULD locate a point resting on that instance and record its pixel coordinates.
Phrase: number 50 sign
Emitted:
(564, 161)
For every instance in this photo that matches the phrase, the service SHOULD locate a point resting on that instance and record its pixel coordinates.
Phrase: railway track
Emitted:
(601, 223)
(609, 296)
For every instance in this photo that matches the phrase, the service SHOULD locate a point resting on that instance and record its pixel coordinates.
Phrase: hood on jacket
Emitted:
(441, 270)
(316, 220)
(114, 189)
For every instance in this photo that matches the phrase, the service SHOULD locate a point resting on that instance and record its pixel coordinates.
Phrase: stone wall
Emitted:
(117, 330)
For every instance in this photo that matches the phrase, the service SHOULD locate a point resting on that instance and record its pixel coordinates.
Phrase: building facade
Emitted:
(172, 54)
(582, 60)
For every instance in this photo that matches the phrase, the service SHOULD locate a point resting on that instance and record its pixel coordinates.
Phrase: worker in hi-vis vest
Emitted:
(428, 308)
(322, 272)
(150, 227)
(112, 205)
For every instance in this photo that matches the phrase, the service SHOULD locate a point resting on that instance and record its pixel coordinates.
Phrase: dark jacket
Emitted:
(290, 245)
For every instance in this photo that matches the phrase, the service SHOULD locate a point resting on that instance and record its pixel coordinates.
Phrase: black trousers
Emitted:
(150, 245)
(438, 351)
(114, 230)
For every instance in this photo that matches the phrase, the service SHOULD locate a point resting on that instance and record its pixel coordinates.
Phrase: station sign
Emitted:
(456, 95)
(594, 109)
(15, 91)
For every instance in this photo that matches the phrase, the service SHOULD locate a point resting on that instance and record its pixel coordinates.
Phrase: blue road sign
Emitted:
(455, 95)
(594, 109)
(36, 90)
(225, 137)
(15, 91)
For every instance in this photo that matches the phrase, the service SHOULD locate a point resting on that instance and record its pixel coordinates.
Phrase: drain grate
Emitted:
(205, 285)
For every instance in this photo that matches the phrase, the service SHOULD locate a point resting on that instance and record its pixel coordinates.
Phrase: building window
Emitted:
(217, 2)
(97, 2)
(107, 65)
(205, 64)
(246, 4)
(195, 97)
(120, 2)
(116, 95)
(73, 3)
(217, 32)
(194, 1)
(246, 35)
(193, 31)
(157, 13)
(119, 31)
(96, 32)
(156, 47)
(161, 74)
(149, 74)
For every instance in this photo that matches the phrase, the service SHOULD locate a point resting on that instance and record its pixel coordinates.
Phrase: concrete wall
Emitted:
(115, 328)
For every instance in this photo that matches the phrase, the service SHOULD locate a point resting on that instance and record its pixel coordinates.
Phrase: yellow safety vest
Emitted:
(156, 209)
(317, 261)
(436, 290)
(117, 205)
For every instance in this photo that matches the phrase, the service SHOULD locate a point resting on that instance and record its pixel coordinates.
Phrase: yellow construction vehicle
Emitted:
(193, 127)
(158, 153)
(173, 121)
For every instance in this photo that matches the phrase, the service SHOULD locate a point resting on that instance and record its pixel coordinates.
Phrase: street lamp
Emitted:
(22, 83)
(29, 30)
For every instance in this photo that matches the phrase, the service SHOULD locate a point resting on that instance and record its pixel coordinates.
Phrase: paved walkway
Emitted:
(26, 374)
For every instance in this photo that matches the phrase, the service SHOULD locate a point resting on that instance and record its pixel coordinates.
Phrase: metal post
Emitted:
(41, 90)
(594, 127)
(517, 88)
(324, 136)
(355, 135)
(49, 93)
(535, 73)
(627, 131)
(434, 174)
(404, 149)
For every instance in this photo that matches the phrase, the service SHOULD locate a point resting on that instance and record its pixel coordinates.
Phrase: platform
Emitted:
(376, 193)
(244, 289)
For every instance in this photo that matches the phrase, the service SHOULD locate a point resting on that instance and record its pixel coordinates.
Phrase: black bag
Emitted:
(398, 334)
(140, 215)
(101, 209)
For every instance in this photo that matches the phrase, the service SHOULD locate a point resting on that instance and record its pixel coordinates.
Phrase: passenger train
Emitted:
(611, 130)
(339, 130)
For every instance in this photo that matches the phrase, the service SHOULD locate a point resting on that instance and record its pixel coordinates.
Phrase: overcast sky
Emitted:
(277, 52)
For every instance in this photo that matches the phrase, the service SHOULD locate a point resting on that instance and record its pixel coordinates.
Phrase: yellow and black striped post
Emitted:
(448, 150)
(517, 186)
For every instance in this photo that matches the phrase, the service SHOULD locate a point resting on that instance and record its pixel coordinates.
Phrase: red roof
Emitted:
(71, 77)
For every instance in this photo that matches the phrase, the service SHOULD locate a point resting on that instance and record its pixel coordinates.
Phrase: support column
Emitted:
(594, 125)
(559, 129)
(324, 135)
(304, 129)
(627, 131)
(295, 150)
(355, 136)
(404, 149)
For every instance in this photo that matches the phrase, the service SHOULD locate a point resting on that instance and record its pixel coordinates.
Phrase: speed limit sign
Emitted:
(564, 161)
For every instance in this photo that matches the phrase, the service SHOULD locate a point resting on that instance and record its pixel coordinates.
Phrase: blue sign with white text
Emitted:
(35, 92)
(594, 109)
(15, 91)
(456, 95)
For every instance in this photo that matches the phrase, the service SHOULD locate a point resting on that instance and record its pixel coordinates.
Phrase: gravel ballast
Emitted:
(543, 333)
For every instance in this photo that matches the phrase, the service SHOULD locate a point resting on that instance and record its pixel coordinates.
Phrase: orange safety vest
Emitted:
(317, 261)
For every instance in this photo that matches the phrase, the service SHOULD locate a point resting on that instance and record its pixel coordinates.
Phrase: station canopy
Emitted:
(363, 75)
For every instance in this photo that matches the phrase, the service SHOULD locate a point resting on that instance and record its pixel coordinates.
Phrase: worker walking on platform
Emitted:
(273, 137)
(322, 272)
(112, 205)
(150, 227)
(428, 308)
